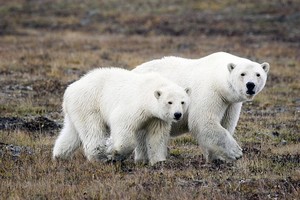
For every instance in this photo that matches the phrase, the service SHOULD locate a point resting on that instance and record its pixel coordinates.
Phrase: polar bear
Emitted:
(117, 103)
(220, 83)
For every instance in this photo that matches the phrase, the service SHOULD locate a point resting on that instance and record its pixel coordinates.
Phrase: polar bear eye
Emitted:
(182, 102)
(258, 75)
(243, 74)
(170, 102)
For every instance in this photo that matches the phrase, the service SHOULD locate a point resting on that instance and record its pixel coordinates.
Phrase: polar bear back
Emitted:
(209, 69)
(109, 88)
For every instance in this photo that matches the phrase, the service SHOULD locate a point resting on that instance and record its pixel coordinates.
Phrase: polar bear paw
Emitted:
(232, 150)
(226, 150)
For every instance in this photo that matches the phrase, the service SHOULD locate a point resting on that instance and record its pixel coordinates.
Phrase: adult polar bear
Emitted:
(220, 83)
(118, 103)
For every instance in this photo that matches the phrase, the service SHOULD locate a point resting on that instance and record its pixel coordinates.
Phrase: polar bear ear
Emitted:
(265, 66)
(188, 90)
(157, 94)
(231, 66)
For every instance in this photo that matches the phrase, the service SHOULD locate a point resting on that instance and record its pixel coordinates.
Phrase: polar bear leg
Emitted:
(93, 134)
(216, 141)
(156, 140)
(94, 144)
(231, 117)
(67, 142)
(140, 152)
(123, 142)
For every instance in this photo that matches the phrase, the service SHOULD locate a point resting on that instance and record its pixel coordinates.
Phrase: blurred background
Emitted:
(143, 30)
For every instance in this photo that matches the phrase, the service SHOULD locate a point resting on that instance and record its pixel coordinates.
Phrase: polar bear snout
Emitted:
(250, 85)
(177, 115)
(250, 88)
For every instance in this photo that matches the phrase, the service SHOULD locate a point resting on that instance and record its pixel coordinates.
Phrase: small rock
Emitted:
(275, 133)
(16, 151)
(283, 142)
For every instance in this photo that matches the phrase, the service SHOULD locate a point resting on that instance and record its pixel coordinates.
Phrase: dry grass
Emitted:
(45, 45)
(184, 176)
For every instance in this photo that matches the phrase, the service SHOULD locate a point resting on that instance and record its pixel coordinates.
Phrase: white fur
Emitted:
(117, 103)
(218, 90)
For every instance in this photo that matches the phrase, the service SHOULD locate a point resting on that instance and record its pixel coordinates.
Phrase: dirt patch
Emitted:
(284, 159)
(33, 124)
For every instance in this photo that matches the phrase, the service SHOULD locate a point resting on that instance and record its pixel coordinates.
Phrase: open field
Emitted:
(45, 45)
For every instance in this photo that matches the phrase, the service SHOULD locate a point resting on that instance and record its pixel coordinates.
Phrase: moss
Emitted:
(175, 152)
(184, 140)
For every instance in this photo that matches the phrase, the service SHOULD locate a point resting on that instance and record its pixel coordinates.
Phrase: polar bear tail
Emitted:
(67, 142)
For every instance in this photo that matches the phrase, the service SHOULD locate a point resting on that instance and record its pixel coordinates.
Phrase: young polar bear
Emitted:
(220, 83)
(117, 103)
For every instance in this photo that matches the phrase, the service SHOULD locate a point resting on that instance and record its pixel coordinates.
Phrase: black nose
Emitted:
(250, 86)
(177, 115)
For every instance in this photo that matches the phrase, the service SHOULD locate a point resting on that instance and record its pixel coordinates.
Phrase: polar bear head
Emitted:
(247, 78)
(172, 102)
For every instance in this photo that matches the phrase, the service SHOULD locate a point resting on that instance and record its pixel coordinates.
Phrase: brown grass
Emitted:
(45, 45)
